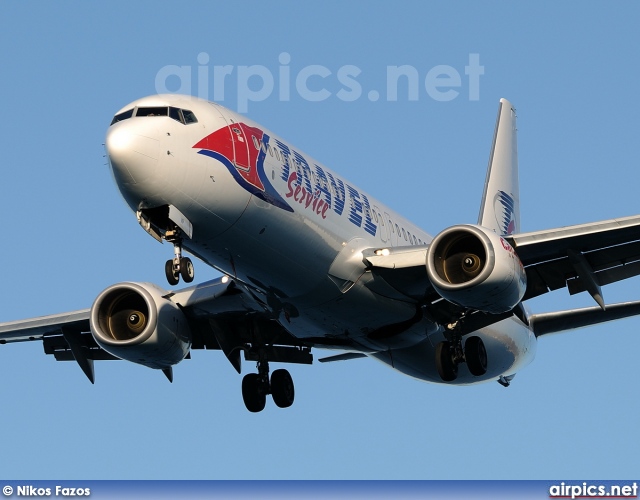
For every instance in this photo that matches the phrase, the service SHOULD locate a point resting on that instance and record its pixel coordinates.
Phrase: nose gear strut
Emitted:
(179, 265)
(168, 223)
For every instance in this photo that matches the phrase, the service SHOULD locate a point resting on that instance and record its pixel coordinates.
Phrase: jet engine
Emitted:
(134, 322)
(473, 267)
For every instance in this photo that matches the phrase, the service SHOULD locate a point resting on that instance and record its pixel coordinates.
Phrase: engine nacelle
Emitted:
(133, 321)
(475, 268)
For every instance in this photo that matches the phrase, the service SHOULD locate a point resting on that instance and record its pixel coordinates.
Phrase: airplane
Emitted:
(308, 260)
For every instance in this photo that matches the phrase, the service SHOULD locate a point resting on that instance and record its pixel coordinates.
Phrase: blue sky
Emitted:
(572, 74)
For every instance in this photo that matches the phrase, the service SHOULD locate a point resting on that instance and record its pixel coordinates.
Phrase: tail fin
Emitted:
(500, 209)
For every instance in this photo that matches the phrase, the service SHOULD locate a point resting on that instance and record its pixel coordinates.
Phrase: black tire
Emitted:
(186, 269)
(172, 277)
(282, 389)
(447, 368)
(476, 355)
(254, 397)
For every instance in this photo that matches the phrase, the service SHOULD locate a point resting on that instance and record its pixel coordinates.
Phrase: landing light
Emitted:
(118, 139)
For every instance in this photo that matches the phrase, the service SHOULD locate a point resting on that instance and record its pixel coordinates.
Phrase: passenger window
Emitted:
(255, 142)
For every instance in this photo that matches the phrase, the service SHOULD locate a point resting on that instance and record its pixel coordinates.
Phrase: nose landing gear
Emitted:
(167, 223)
(179, 265)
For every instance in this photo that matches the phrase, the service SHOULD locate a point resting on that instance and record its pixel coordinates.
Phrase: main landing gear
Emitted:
(179, 265)
(256, 386)
(449, 354)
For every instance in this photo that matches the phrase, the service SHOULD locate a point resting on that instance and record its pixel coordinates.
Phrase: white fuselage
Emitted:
(267, 214)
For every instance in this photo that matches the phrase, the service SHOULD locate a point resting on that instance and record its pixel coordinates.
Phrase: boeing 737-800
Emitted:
(310, 260)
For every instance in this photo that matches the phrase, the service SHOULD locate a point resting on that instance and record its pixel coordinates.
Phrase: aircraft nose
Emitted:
(133, 152)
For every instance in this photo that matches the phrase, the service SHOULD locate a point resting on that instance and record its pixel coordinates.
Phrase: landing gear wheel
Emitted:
(254, 397)
(186, 269)
(172, 277)
(282, 389)
(476, 356)
(447, 368)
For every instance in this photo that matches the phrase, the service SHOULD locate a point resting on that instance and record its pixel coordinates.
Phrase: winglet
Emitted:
(500, 209)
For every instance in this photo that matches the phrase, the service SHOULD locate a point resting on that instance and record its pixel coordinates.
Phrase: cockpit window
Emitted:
(175, 114)
(189, 117)
(183, 116)
(164, 111)
(122, 116)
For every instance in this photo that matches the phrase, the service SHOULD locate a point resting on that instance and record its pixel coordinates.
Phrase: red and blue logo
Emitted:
(242, 149)
(505, 210)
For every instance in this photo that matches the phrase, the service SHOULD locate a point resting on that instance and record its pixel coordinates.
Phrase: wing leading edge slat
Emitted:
(37, 328)
(541, 246)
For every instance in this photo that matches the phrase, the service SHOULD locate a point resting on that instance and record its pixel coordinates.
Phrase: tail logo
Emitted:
(504, 208)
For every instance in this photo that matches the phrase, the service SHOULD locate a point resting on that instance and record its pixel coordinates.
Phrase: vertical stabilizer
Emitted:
(500, 209)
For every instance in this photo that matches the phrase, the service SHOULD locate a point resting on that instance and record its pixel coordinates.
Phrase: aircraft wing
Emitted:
(576, 257)
(66, 336)
(401, 268)
(222, 314)
(582, 257)
(37, 328)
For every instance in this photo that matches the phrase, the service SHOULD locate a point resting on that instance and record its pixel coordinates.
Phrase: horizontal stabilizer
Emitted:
(547, 323)
(343, 357)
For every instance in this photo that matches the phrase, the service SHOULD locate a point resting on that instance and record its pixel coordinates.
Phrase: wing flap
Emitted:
(606, 277)
(608, 265)
(609, 249)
